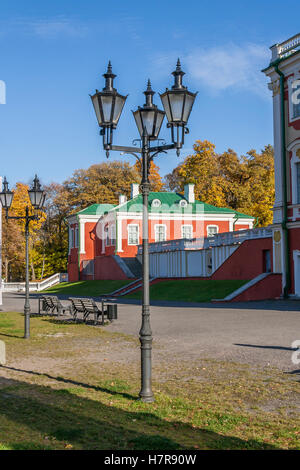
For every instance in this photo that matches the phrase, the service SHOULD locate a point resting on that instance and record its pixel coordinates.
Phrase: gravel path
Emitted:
(258, 333)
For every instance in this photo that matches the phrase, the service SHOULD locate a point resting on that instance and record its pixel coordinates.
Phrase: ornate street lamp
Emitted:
(108, 105)
(6, 196)
(149, 117)
(178, 104)
(37, 198)
(36, 194)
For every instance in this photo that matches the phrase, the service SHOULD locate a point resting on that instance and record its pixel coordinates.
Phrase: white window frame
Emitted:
(156, 227)
(113, 235)
(291, 90)
(297, 181)
(72, 244)
(295, 160)
(155, 203)
(183, 203)
(185, 226)
(138, 234)
(212, 226)
(76, 233)
(107, 240)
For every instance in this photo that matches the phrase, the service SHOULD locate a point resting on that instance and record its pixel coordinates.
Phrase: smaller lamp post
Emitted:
(37, 199)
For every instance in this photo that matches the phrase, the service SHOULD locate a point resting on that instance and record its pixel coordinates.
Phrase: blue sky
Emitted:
(53, 54)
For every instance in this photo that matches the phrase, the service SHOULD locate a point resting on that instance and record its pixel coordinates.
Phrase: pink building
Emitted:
(104, 239)
(284, 74)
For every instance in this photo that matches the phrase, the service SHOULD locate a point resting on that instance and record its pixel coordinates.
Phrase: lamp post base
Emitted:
(146, 394)
(27, 322)
(147, 399)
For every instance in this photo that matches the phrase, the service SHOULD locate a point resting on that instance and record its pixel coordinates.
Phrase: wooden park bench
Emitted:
(89, 307)
(51, 304)
(86, 307)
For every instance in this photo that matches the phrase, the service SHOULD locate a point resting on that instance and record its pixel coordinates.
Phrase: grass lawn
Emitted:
(190, 290)
(74, 386)
(87, 288)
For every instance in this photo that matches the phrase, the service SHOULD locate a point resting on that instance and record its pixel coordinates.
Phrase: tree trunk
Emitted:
(43, 267)
(32, 272)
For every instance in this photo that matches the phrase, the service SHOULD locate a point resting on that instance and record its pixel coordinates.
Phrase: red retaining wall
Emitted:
(246, 262)
(107, 268)
(268, 288)
(73, 275)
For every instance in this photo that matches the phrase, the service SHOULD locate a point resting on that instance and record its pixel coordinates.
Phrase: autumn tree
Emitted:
(51, 252)
(101, 183)
(154, 176)
(13, 243)
(245, 184)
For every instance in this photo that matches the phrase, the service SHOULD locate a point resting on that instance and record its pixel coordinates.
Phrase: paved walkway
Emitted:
(258, 333)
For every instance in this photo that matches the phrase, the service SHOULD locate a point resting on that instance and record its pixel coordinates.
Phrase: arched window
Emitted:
(298, 182)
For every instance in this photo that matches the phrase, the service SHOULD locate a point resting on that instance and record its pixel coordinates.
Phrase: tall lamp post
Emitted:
(37, 199)
(108, 105)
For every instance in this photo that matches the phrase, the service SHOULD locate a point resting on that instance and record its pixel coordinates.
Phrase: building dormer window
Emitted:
(183, 203)
(156, 203)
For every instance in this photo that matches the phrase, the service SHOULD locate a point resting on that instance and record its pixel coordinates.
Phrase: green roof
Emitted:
(169, 203)
(96, 209)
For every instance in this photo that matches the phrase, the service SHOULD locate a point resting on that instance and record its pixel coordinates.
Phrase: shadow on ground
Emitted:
(39, 417)
(282, 348)
(72, 382)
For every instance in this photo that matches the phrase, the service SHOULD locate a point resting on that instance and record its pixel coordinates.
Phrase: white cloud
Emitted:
(230, 67)
(227, 67)
(46, 28)
(57, 26)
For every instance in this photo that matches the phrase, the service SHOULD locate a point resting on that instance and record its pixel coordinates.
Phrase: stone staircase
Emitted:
(131, 267)
(134, 265)
(131, 287)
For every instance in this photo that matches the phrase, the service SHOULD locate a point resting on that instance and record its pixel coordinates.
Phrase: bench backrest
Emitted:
(54, 299)
(48, 301)
(89, 304)
(77, 304)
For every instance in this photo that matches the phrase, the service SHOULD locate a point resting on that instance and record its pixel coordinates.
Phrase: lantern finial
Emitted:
(178, 74)
(109, 78)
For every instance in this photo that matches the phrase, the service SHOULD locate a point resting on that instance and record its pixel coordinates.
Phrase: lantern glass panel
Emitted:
(6, 199)
(176, 101)
(165, 102)
(137, 117)
(107, 104)
(189, 101)
(95, 102)
(148, 121)
(159, 121)
(119, 103)
(36, 197)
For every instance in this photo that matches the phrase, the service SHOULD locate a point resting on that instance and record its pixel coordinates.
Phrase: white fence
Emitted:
(220, 239)
(287, 47)
(35, 286)
(199, 257)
